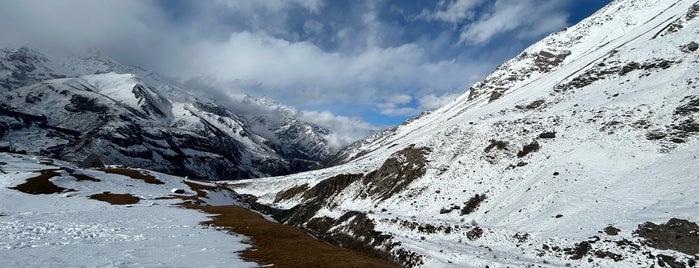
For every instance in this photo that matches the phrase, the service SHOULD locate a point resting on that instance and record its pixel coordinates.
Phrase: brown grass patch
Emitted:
(83, 177)
(134, 174)
(169, 197)
(283, 245)
(201, 188)
(116, 199)
(41, 184)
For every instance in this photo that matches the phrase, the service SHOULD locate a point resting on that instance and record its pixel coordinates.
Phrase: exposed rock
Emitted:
(608, 254)
(691, 47)
(533, 105)
(529, 148)
(291, 192)
(629, 67)
(611, 230)
(472, 204)
(579, 251)
(396, 173)
(655, 135)
(547, 135)
(500, 145)
(675, 234)
(496, 95)
(669, 261)
(690, 107)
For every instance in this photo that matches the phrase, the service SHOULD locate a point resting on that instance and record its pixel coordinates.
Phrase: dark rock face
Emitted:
(80, 103)
(548, 135)
(75, 121)
(300, 140)
(691, 47)
(529, 148)
(397, 172)
(675, 234)
(611, 230)
(472, 204)
(579, 251)
(604, 70)
(540, 62)
(354, 229)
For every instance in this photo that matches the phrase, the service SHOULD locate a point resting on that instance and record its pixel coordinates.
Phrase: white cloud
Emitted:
(75, 22)
(529, 17)
(396, 105)
(484, 20)
(249, 6)
(313, 27)
(345, 129)
(399, 105)
(431, 101)
(454, 11)
(297, 72)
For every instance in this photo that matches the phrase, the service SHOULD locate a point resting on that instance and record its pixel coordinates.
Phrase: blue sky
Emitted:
(376, 62)
(452, 44)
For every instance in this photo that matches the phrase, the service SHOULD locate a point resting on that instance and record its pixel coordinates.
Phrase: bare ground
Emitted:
(41, 184)
(116, 199)
(283, 245)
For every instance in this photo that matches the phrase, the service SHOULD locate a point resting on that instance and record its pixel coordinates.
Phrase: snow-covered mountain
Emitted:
(71, 106)
(580, 151)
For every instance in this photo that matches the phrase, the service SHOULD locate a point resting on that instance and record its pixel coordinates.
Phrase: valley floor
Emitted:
(49, 218)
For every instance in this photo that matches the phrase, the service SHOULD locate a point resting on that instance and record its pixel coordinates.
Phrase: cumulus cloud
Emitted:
(523, 15)
(298, 72)
(395, 105)
(345, 129)
(431, 101)
(452, 11)
(400, 105)
(481, 21)
(249, 6)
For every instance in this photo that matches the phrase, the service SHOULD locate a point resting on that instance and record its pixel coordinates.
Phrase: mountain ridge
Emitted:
(592, 127)
(141, 99)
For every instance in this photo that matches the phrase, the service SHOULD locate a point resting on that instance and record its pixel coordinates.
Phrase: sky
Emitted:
(371, 63)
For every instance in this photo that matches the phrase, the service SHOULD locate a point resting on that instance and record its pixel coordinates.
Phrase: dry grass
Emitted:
(134, 174)
(283, 245)
(116, 199)
(276, 243)
(201, 188)
(41, 184)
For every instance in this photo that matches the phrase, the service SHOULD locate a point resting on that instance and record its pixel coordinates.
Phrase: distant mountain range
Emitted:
(73, 106)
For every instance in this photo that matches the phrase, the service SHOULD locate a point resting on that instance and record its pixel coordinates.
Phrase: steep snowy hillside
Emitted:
(125, 122)
(580, 151)
(134, 117)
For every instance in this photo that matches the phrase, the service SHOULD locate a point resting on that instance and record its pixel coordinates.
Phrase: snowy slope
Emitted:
(115, 108)
(125, 122)
(591, 127)
(68, 229)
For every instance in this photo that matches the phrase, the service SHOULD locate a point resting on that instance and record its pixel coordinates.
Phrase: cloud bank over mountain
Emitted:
(373, 62)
